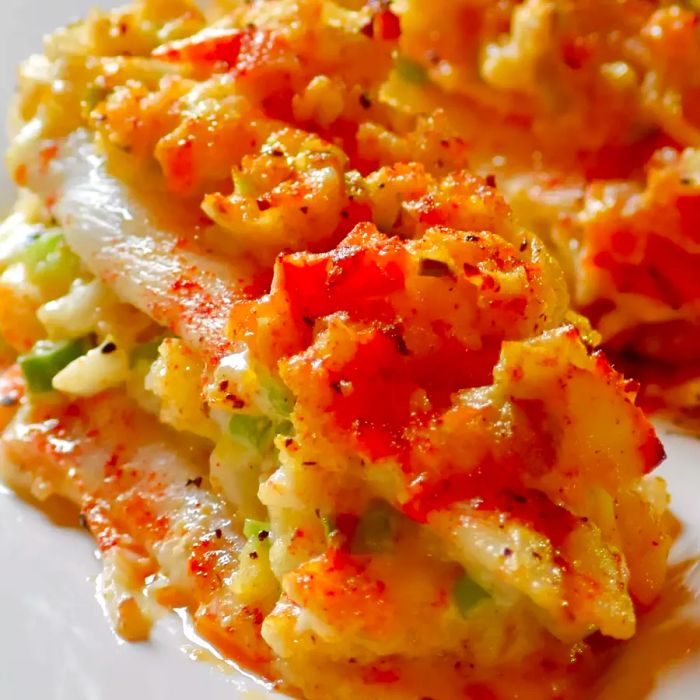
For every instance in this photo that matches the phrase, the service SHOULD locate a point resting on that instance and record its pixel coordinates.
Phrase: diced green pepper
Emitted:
(466, 594)
(252, 430)
(46, 359)
(50, 263)
(411, 71)
(376, 529)
(256, 530)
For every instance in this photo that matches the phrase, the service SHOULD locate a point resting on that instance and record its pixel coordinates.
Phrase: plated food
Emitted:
(601, 93)
(287, 301)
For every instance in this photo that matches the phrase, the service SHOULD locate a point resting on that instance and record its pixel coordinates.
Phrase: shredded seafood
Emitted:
(290, 305)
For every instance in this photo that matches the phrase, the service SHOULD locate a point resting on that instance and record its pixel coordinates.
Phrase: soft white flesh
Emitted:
(114, 233)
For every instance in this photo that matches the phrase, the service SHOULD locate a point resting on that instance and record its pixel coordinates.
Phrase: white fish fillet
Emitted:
(114, 233)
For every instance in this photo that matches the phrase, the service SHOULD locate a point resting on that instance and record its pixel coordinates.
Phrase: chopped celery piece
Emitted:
(46, 359)
(375, 530)
(411, 71)
(253, 430)
(40, 246)
(285, 428)
(278, 395)
(256, 530)
(50, 263)
(145, 352)
(467, 593)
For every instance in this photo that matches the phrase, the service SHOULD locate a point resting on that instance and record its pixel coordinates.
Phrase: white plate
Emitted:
(55, 643)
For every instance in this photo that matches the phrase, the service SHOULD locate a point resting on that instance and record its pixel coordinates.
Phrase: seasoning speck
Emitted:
(434, 268)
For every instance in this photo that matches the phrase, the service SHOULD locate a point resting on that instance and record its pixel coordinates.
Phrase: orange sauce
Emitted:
(668, 635)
